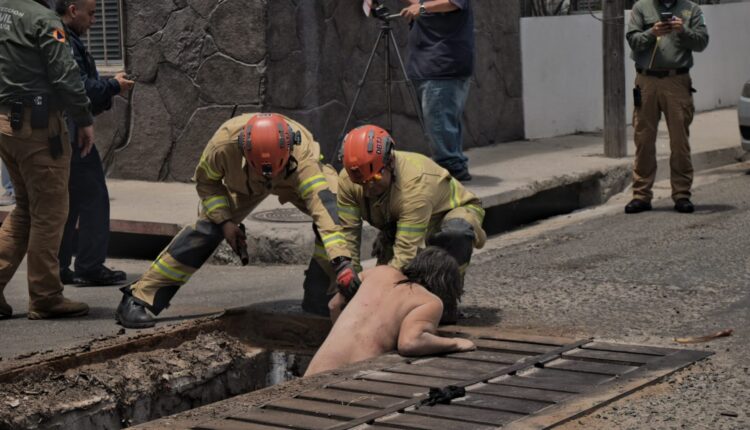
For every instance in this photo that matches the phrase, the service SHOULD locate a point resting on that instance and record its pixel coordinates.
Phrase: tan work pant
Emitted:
(36, 223)
(673, 96)
(194, 244)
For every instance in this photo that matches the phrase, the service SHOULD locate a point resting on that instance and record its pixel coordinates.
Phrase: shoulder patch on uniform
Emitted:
(686, 14)
(59, 35)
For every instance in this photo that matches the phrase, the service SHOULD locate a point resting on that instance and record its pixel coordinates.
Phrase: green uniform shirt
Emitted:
(675, 50)
(419, 197)
(35, 59)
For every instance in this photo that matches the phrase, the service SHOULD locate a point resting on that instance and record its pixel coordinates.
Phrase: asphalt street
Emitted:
(645, 278)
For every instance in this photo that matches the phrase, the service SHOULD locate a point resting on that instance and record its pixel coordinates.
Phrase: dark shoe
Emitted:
(66, 308)
(636, 206)
(67, 276)
(101, 276)
(684, 206)
(132, 314)
(5, 310)
(462, 175)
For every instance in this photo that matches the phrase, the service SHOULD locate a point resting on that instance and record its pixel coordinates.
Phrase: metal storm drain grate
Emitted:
(282, 215)
(514, 381)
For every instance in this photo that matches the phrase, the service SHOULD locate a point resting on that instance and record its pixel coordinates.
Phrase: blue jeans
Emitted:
(443, 102)
(7, 184)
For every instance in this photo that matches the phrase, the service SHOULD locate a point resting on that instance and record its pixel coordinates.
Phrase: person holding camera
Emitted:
(441, 62)
(38, 81)
(662, 36)
(249, 158)
(88, 194)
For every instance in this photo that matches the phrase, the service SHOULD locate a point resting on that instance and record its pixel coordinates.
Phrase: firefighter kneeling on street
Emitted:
(412, 201)
(248, 158)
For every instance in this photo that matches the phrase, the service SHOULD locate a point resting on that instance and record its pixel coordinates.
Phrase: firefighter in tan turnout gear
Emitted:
(410, 199)
(248, 158)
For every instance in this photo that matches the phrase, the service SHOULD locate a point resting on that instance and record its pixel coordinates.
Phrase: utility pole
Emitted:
(613, 31)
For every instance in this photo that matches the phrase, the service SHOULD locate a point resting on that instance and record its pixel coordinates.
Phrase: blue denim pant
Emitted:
(443, 102)
(7, 184)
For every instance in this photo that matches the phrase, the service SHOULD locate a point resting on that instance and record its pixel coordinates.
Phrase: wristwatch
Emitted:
(422, 9)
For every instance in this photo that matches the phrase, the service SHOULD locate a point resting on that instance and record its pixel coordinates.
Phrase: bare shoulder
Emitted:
(382, 274)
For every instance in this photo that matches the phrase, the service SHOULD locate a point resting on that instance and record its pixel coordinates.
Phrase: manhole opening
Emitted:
(133, 382)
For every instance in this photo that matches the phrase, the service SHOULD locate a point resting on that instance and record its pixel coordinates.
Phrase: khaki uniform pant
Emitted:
(36, 223)
(194, 244)
(672, 96)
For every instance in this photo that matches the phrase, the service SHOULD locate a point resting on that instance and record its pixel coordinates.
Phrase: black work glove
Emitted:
(346, 277)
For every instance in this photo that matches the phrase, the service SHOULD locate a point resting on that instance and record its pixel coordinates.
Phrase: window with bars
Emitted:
(104, 39)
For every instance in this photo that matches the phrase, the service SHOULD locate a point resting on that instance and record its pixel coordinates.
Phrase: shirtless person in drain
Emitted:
(394, 310)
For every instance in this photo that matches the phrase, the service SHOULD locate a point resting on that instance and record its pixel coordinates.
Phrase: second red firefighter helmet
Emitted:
(267, 141)
(366, 152)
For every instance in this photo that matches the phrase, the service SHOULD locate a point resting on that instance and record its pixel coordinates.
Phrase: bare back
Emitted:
(369, 325)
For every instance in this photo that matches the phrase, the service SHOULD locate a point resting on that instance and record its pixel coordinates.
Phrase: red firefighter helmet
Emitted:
(267, 141)
(366, 152)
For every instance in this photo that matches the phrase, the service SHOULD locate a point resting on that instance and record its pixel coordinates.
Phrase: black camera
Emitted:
(380, 10)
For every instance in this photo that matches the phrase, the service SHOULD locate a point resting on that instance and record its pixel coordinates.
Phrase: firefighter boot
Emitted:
(316, 296)
(64, 308)
(131, 313)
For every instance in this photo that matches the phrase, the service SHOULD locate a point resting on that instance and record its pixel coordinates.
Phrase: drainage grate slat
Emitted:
(466, 414)
(565, 377)
(590, 367)
(233, 425)
(635, 349)
(535, 394)
(517, 406)
(429, 423)
(625, 358)
(456, 364)
(361, 386)
(490, 356)
(419, 381)
(318, 408)
(513, 347)
(350, 398)
(284, 419)
(516, 381)
(438, 372)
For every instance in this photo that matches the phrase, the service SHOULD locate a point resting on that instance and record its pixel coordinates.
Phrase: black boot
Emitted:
(131, 313)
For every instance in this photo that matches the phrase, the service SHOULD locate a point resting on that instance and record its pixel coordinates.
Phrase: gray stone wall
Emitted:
(196, 62)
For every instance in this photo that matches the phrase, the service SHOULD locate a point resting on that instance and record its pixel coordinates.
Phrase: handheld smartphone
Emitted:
(666, 16)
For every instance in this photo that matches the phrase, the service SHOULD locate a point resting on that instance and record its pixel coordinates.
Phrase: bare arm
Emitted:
(434, 6)
(418, 333)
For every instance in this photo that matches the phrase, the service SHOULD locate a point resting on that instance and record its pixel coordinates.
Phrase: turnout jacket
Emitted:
(35, 59)
(224, 182)
(421, 194)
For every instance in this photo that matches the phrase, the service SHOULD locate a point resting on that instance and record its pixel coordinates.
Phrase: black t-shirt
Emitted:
(441, 45)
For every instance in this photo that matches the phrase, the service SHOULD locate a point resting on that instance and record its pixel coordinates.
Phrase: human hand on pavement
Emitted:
(234, 236)
(125, 84)
(86, 139)
(463, 345)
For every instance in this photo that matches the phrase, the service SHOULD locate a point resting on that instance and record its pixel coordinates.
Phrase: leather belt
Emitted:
(663, 73)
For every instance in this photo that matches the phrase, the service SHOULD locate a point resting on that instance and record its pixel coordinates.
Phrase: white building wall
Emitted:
(562, 69)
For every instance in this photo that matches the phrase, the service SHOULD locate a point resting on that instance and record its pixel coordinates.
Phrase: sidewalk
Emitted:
(563, 173)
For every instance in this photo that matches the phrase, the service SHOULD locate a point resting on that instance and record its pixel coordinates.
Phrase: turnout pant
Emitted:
(36, 223)
(671, 95)
(194, 245)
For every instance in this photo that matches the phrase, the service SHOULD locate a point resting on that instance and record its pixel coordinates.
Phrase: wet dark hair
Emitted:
(437, 271)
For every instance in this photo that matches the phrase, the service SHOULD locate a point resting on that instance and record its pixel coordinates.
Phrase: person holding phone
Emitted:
(662, 36)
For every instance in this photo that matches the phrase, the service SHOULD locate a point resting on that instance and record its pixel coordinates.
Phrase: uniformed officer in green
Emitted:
(663, 35)
(38, 80)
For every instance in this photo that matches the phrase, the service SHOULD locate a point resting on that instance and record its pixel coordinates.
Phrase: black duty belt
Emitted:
(663, 73)
(32, 101)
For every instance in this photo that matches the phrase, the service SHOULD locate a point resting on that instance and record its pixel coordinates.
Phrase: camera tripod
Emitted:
(386, 38)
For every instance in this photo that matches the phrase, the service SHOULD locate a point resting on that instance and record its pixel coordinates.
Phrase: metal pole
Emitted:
(613, 31)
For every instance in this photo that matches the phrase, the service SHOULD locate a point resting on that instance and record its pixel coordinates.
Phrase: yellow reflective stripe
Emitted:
(348, 210)
(211, 173)
(454, 194)
(477, 209)
(213, 203)
(411, 229)
(332, 239)
(170, 272)
(307, 186)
